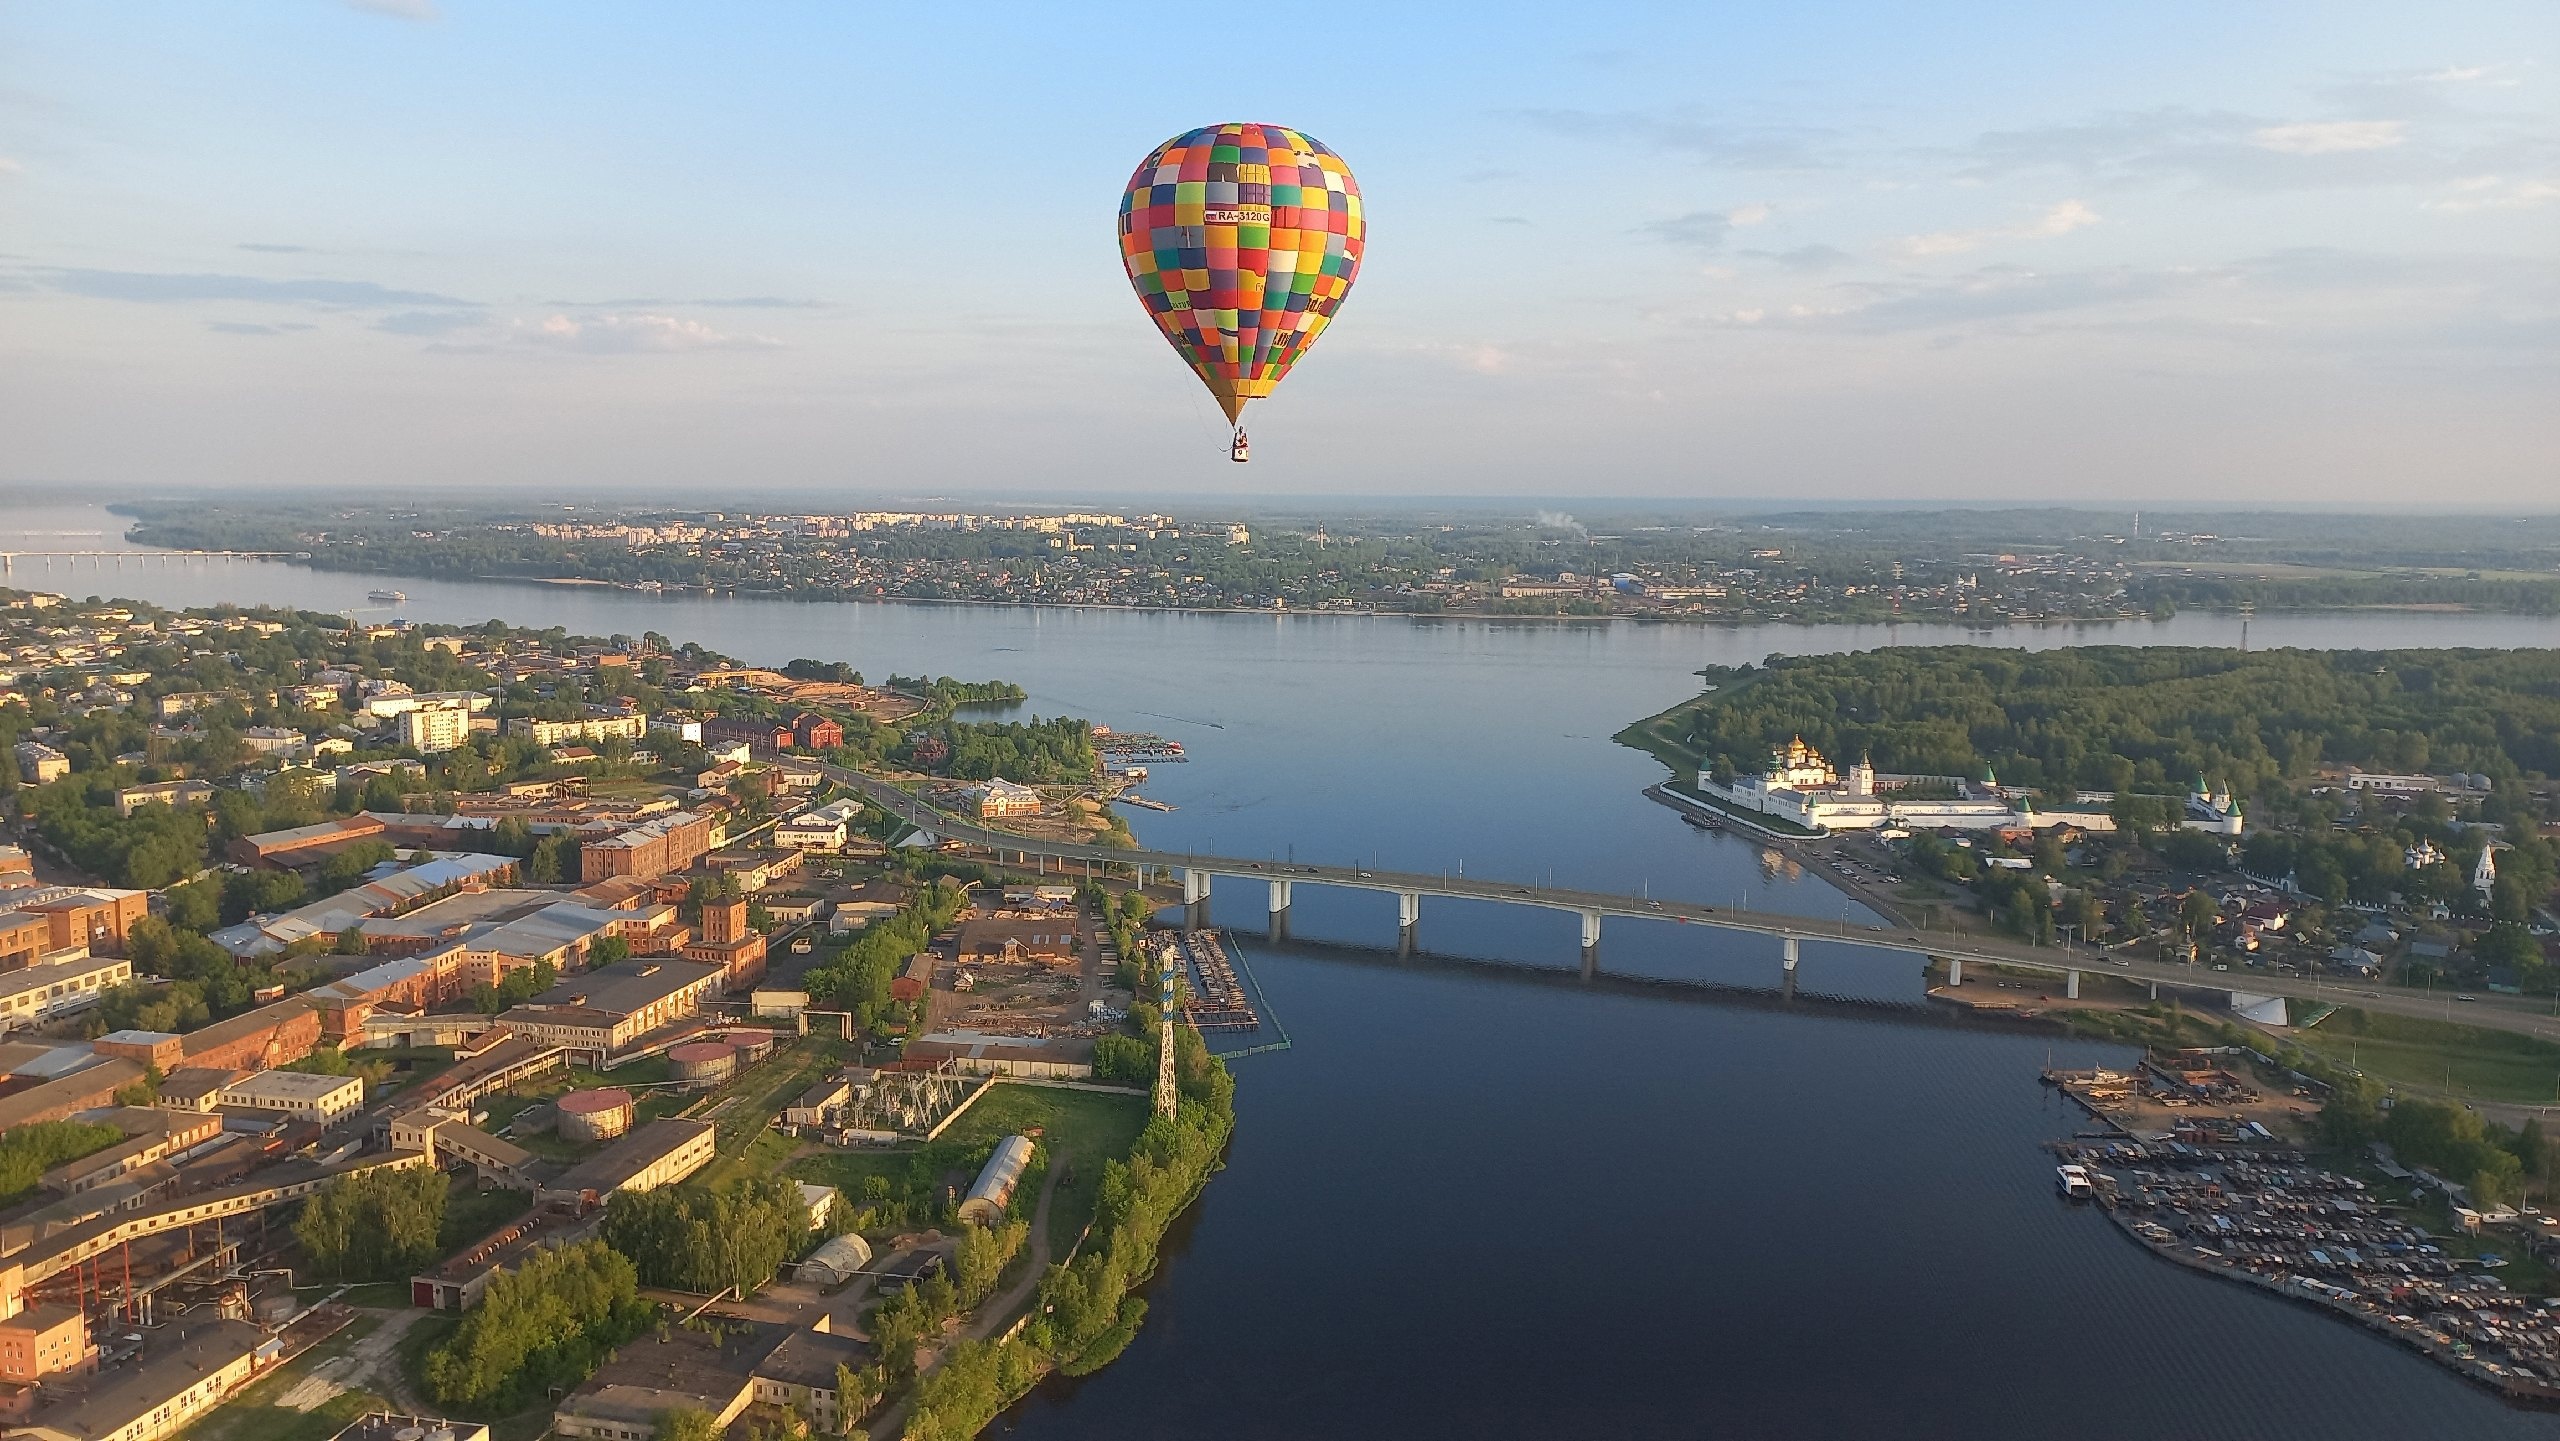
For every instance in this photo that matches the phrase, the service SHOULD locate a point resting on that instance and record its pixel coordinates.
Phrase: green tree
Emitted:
(377, 1225)
(2197, 916)
(981, 1258)
(548, 1323)
(30, 1150)
(695, 1238)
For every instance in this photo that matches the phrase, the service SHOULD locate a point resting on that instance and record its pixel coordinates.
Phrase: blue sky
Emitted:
(2249, 253)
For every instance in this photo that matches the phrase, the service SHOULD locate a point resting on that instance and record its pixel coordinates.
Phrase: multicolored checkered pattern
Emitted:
(1242, 240)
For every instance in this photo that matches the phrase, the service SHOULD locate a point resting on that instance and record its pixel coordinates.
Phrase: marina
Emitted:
(1121, 750)
(1218, 1001)
(2262, 1217)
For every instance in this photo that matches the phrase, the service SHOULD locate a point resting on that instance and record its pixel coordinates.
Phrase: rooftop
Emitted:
(677, 1367)
(128, 1394)
(607, 1170)
(626, 986)
(395, 1426)
(545, 931)
(467, 909)
(291, 1085)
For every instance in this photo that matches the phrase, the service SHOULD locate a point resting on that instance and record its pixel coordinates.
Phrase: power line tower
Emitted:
(1165, 1095)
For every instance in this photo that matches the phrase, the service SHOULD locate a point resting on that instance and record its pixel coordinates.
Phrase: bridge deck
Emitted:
(2491, 1014)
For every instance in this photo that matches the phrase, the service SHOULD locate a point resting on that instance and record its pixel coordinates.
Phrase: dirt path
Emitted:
(371, 1364)
(1002, 1307)
(987, 1319)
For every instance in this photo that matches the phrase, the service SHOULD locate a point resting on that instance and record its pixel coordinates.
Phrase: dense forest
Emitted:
(2118, 718)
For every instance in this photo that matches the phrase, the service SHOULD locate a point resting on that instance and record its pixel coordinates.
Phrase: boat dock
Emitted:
(2266, 1218)
(1218, 999)
(1135, 747)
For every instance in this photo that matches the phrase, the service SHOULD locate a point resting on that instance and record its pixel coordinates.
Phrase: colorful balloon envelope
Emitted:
(1242, 240)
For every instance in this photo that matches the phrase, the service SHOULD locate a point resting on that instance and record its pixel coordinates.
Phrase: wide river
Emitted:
(1489, 1202)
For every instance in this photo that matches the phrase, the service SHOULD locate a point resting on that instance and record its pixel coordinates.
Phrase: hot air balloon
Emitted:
(1242, 240)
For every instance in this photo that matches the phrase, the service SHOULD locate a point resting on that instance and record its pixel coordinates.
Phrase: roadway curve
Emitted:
(1971, 949)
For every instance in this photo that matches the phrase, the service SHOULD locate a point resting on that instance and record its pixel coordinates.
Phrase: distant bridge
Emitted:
(1953, 952)
(9, 558)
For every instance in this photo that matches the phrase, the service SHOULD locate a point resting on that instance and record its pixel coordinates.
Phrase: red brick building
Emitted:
(258, 1040)
(811, 731)
(729, 943)
(654, 847)
(304, 845)
(754, 732)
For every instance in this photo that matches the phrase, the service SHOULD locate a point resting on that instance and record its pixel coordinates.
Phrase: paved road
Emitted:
(2493, 1013)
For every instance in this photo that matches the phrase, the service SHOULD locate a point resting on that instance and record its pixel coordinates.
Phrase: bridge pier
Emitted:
(1590, 944)
(2071, 985)
(1279, 910)
(1955, 972)
(1787, 966)
(1408, 915)
(1195, 899)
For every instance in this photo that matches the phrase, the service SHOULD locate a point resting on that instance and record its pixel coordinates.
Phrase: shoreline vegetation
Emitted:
(2127, 719)
(1982, 570)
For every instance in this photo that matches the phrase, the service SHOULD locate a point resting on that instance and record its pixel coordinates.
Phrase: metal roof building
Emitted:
(993, 1190)
(838, 1261)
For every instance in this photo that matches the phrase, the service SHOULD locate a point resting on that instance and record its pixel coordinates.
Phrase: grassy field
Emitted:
(2438, 1058)
(747, 1105)
(504, 1108)
(253, 1415)
(2155, 1025)
(1079, 1130)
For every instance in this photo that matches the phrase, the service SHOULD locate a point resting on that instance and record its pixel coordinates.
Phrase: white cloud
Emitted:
(634, 334)
(11, 167)
(2060, 220)
(2329, 137)
(2492, 192)
(421, 10)
(2471, 75)
(1754, 213)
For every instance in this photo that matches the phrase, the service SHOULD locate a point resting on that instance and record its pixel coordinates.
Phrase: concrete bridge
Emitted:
(97, 558)
(1952, 952)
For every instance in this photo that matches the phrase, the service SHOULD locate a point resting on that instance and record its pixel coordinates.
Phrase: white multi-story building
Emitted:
(431, 730)
(820, 828)
(38, 993)
(590, 728)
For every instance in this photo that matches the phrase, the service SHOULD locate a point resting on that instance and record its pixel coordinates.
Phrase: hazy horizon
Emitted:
(2181, 256)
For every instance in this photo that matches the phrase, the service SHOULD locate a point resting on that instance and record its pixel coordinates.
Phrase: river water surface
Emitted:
(1478, 1201)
